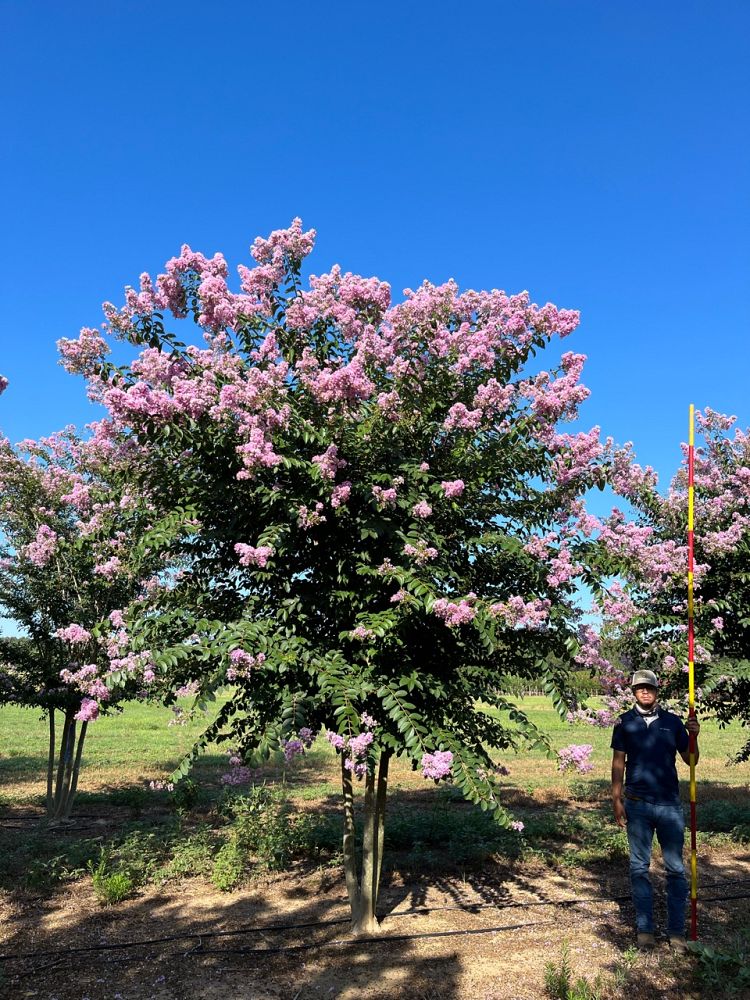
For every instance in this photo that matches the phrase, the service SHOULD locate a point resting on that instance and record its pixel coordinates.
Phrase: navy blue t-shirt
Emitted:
(650, 752)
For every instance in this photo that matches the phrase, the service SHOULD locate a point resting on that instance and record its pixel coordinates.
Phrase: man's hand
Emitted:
(618, 807)
(693, 727)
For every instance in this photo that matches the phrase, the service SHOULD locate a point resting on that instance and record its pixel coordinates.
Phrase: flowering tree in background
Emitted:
(645, 614)
(63, 535)
(375, 514)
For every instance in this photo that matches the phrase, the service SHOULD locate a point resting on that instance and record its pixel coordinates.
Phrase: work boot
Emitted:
(678, 943)
(646, 941)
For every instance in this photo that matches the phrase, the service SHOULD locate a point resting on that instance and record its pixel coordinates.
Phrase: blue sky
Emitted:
(595, 153)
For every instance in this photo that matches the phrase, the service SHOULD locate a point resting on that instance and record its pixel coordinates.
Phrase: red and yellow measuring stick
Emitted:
(691, 681)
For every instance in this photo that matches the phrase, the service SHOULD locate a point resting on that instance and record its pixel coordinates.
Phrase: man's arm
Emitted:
(618, 776)
(693, 726)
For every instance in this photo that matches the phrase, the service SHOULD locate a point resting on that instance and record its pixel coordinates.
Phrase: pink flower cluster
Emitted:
(110, 568)
(307, 518)
(3, 384)
(73, 634)
(453, 488)
(455, 614)
(294, 747)
(40, 551)
(522, 614)
(421, 552)
(575, 756)
(340, 494)
(421, 509)
(242, 663)
(82, 356)
(361, 632)
(357, 747)
(437, 765)
(252, 556)
(87, 680)
(89, 711)
(329, 462)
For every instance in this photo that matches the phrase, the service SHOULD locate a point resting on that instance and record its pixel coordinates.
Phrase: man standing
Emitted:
(646, 741)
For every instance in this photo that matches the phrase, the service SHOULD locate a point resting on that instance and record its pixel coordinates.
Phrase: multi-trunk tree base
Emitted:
(62, 781)
(363, 878)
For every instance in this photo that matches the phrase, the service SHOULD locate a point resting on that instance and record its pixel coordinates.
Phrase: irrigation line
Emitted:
(417, 911)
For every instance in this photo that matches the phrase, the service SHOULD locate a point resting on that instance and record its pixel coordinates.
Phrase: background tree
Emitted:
(64, 530)
(375, 514)
(645, 614)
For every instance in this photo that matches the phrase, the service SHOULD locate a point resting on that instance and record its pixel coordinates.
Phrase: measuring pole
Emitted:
(691, 682)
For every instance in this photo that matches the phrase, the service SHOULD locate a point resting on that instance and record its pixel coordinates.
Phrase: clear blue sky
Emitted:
(593, 152)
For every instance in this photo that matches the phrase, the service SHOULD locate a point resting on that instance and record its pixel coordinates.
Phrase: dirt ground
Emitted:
(483, 937)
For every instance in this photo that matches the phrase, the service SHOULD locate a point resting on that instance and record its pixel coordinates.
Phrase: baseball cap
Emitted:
(645, 677)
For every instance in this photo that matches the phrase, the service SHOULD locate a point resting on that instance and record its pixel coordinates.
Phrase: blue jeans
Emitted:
(668, 823)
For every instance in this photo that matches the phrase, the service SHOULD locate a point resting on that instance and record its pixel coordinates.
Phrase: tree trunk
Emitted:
(76, 768)
(67, 768)
(51, 761)
(363, 889)
(64, 742)
(380, 798)
(350, 854)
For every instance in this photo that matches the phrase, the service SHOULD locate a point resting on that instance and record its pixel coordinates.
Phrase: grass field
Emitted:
(129, 844)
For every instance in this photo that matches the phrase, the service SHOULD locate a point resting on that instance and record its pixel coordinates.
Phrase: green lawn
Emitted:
(151, 835)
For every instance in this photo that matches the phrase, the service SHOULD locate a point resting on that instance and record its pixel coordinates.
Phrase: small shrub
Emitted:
(191, 855)
(724, 971)
(560, 985)
(110, 887)
(229, 867)
(185, 795)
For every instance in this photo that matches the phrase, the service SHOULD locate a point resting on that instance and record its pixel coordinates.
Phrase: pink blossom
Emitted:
(309, 518)
(41, 550)
(290, 243)
(575, 756)
(335, 739)
(341, 494)
(421, 552)
(437, 765)
(454, 614)
(73, 633)
(517, 825)
(329, 462)
(462, 418)
(108, 569)
(252, 556)
(360, 632)
(421, 509)
(82, 356)
(89, 711)
(522, 614)
(453, 488)
(718, 623)
(384, 497)
(3, 384)
(117, 619)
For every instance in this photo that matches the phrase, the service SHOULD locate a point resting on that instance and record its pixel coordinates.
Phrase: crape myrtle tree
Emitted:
(63, 534)
(375, 512)
(645, 612)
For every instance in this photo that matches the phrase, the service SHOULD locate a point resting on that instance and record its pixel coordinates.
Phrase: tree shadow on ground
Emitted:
(287, 935)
